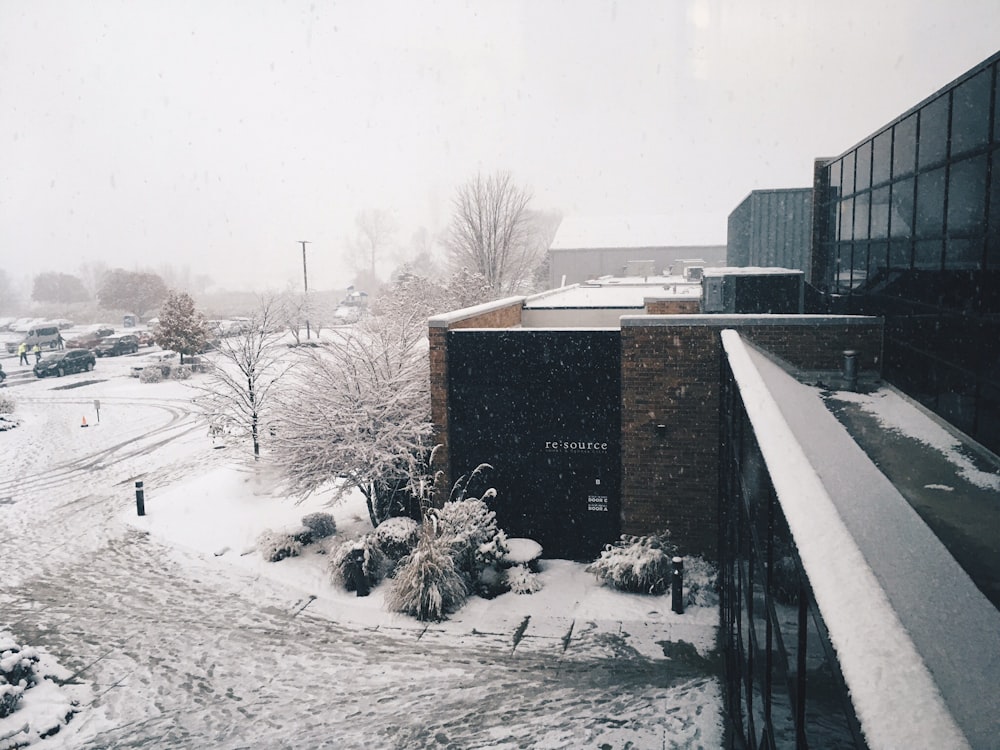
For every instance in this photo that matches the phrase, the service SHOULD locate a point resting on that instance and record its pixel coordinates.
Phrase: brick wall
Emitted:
(671, 376)
(506, 314)
(673, 306)
(819, 347)
(670, 474)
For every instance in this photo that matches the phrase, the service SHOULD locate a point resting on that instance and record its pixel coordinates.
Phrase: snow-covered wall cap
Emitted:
(760, 319)
(446, 319)
(895, 697)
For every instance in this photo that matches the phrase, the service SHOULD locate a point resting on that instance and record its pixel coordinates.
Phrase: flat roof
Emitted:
(622, 293)
(640, 231)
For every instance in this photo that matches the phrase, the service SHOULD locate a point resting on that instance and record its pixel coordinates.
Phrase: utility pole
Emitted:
(305, 282)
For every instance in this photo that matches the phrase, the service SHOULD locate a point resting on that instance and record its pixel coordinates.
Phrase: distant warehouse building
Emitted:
(587, 248)
(772, 228)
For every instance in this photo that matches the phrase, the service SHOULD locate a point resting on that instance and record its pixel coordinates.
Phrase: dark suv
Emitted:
(112, 346)
(60, 363)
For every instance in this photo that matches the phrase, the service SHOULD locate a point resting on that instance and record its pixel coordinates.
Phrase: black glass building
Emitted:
(907, 226)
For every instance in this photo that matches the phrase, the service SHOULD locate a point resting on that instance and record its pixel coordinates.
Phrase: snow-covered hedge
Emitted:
(397, 537)
(7, 419)
(373, 563)
(151, 374)
(17, 674)
(639, 564)
(428, 584)
(321, 525)
(644, 565)
(521, 580)
(277, 545)
(180, 372)
(468, 529)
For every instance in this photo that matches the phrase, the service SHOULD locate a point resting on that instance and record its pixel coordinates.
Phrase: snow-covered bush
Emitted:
(180, 372)
(373, 562)
(152, 374)
(427, 583)
(521, 580)
(639, 564)
(468, 529)
(7, 406)
(17, 674)
(700, 579)
(321, 525)
(397, 537)
(277, 545)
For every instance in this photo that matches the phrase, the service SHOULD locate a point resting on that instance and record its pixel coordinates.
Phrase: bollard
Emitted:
(140, 499)
(677, 586)
(851, 369)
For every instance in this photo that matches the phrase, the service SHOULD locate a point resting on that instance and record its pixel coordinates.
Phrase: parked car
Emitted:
(61, 363)
(46, 337)
(145, 338)
(112, 346)
(90, 339)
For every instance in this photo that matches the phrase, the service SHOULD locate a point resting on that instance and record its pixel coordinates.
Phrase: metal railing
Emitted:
(784, 687)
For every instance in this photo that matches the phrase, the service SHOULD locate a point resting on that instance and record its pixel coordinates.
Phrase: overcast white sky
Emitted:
(213, 135)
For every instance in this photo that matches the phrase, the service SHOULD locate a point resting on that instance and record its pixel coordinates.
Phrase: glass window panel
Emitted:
(833, 230)
(880, 213)
(900, 255)
(904, 146)
(901, 216)
(834, 176)
(934, 132)
(843, 281)
(847, 183)
(996, 107)
(861, 203)
(993, 228)
(859, 264)
(967, 197)
(930, 203)
(927, 255)
(846, 219)
(970, 114)
(877, 260)
(963, 253)
(863, 173)
(882, 157)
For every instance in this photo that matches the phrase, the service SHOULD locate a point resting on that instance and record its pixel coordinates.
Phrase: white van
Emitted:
(46, 336)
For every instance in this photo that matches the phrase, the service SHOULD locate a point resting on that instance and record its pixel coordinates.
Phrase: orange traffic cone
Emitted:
(84, 424)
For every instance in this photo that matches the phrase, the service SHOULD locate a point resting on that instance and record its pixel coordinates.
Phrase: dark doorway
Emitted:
(544, 409)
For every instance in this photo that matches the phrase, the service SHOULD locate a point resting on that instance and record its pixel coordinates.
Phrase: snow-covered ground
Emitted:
(178, 634)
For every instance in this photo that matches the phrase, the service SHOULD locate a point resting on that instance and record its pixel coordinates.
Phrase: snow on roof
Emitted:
(618, 292)
(687, 229)
(750, 271)
(897, 700)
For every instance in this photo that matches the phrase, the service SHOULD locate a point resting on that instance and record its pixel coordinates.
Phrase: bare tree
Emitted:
(359, 410)
(375, 230)
(490, 232)
(243, 380)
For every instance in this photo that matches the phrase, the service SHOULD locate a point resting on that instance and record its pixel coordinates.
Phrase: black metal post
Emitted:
(851, 369)
(140, 499)
(677, 586)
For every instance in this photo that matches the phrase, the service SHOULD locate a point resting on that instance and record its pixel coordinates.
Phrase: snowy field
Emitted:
(171, 632)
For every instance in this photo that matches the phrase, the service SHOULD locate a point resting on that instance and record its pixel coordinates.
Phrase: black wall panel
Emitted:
(543, 408)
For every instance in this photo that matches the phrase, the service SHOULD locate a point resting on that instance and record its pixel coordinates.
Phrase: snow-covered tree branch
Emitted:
(358, 409)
